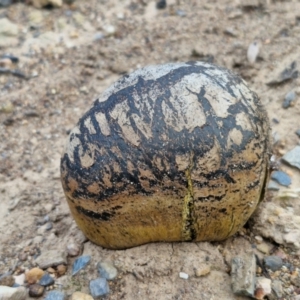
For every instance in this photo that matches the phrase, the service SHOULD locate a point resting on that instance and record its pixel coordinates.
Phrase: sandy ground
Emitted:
(69, 56)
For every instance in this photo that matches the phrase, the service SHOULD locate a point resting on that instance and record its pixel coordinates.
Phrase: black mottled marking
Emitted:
(200, 140)
(104, 216)
(211, 198)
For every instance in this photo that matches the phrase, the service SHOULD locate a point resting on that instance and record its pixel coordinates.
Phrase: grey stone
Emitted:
(273, 186)
(46, 280)
(293, 157)
(277, 290)
(7, 28)
(99, 287)
(288, 99)
(243, 269)
(298, 132)
(161, 4)
(107, 270)
(273, 262)
(296, 280)
(7, 280)
(281, 177)
(51, 258)
(98, 36)
(80, 263)
(55, 295)
(284, 230)
(290, 72)
(5, 2)
(10, 293)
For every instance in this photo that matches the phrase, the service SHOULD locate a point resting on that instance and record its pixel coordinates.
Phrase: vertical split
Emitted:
(188, 217)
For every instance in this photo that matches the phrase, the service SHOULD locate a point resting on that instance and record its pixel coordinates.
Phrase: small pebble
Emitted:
(7, 107)
(277, 289)
(295, 279)
(298, 132)
(258, 239)
(7, 280)
(180, 13)
(48, 226)
(51, 258)
(262, 287)
(252, 52)
(289, 99)
(10, 293)
(161, 4)
(36, 290)
(80, 263)
(202, 271)
(46, 280)
(293, 157)
(73, 249)
(243, 274)
(55, 295)
(81, 296)
(99, 287)
(20, 279)
(98, 36)
(51, 270)
(61, 270)
(42, 221)
(273, 262)
(183, 275)
(109, 30)
(5, 63)
(22, 256)
(12, 58)
(281, 177)
(231, 32)
(273, 186)
(107, 270)
(263, 247)
(34, 275)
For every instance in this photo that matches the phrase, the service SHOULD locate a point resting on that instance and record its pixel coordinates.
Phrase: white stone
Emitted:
(7, 28)
(252, 52)
(20, 279)
(183, 275)
(9, 293)
(262, 287)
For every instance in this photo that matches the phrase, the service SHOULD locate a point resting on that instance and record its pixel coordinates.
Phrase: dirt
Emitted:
(65, 69)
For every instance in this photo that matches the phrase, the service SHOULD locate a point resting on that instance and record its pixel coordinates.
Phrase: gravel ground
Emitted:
(62, 58)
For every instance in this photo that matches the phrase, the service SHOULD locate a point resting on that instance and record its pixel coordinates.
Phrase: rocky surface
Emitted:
(54, 63)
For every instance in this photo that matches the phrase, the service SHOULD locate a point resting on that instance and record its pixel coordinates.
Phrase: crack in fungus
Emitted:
(188, 216)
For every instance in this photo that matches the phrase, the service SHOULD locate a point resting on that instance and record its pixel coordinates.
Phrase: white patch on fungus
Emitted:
(103, 124)
(89, 125)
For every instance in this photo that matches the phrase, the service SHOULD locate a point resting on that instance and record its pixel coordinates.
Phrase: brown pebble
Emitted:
(7, 280)
(23, 256)
(34, 275)
(61, 270)
(36, 290)
(81, 296)
(202, 270)
(51, 270)
(5, 63)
